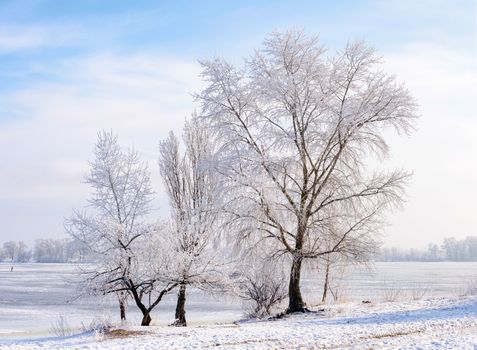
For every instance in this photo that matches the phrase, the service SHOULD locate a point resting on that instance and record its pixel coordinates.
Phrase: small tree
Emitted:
(149, 277)
(194, 199)
(295, 129)
(121, 199)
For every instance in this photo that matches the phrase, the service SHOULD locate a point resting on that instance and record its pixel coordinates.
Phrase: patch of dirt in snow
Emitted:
(123, 333)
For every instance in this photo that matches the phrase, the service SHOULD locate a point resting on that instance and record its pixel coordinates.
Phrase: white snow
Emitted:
(439, 323)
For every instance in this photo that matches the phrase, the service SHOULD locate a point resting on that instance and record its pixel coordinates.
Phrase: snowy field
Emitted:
(33, 296)
(439, 323)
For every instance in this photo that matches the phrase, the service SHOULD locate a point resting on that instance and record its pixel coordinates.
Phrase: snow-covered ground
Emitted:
(438, 323)
(33, 296)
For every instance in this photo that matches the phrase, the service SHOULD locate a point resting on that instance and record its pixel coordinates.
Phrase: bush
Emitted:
(391, 292)
(471, 286)
(418, 291)
(98, 326)
(60, 327)
(261, 288)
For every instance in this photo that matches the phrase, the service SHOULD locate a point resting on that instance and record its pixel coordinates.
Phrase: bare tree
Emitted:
(151, 275)
(327, 262)
(261, 285)
(296, 130)
(194, 200)
(10, 250)
(333, 267)
(23, 253)
(77, 251)
(122, 193)
(50, 250)
(15, 251)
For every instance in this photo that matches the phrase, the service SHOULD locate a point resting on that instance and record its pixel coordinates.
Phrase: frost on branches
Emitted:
(295, 129)
(194, 199)
(131, 259)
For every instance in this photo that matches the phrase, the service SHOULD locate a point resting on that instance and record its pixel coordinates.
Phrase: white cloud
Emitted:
(18, 38)
(16, 41)
(140, 97)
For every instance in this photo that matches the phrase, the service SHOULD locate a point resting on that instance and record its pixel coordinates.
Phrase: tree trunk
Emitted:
(122, 310)
(122, 305)
(325, 287)
(180, 308)
(146, 319)
(295, 300)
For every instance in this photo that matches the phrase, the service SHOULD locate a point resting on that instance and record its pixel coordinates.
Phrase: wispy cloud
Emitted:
(140, 97)
(16, 38)
(13, 39)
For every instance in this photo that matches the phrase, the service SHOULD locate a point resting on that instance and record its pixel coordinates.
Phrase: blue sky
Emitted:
(45, 32)
(71, 68)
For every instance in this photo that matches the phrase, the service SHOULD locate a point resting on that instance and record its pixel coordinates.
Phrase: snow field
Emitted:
(440, 323)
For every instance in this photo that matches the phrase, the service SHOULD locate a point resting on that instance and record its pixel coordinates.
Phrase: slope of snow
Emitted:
(430, 324)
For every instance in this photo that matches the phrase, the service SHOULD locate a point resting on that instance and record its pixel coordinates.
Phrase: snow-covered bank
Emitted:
(429, 324)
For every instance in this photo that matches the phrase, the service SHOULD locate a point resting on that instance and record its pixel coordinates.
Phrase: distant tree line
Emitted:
(450, 249)
(45, 251)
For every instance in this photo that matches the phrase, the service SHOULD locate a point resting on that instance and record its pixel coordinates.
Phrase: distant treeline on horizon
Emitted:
(450, 249)
(46, 251)
(73, 251)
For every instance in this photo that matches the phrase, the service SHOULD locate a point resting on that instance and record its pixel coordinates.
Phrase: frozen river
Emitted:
(33, 296)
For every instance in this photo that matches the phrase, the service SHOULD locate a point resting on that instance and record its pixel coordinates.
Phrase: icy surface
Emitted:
(34, 295)
(439, 323)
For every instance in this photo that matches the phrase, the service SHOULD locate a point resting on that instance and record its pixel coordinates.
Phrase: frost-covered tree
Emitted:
(77, 251)
(121, 199)
(150, 273)
(296, 131)
(50, 250)
(133, 257)
(15, 251)
(23, 253)
(10, 250)
(194, 199)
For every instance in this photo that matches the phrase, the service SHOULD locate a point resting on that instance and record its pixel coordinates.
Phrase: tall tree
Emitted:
(194, 201)
(296, 129)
